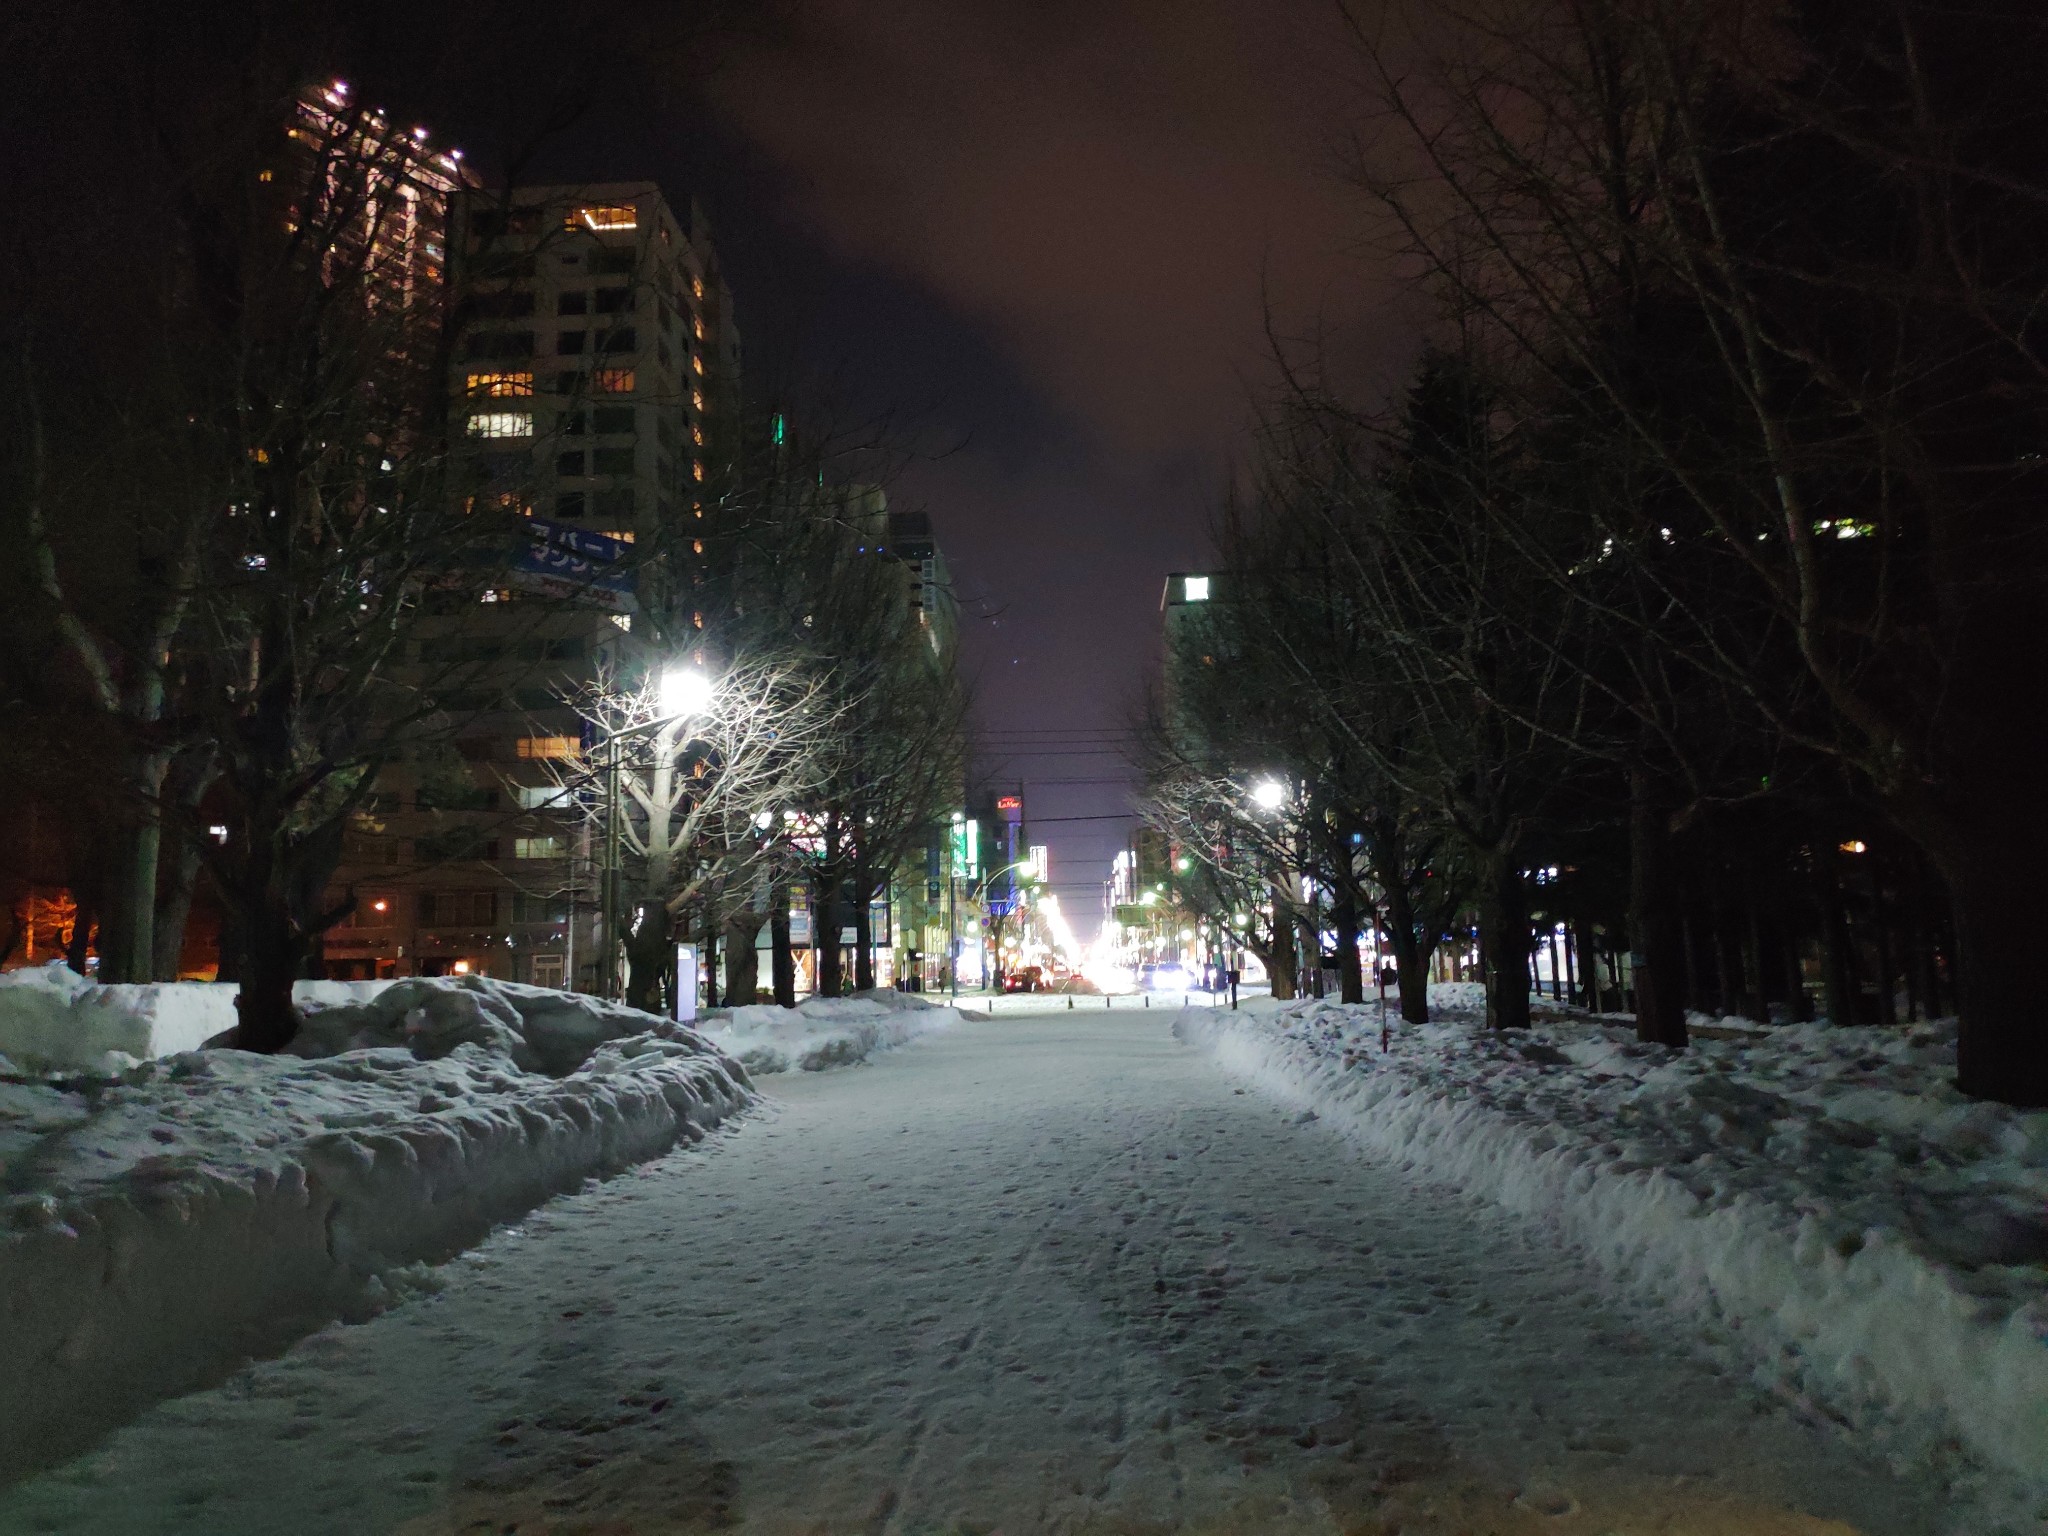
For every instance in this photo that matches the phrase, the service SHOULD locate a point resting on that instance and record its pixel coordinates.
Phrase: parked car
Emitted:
(1026, 978)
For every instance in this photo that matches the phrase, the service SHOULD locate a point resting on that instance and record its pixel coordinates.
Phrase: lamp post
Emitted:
(683, 693)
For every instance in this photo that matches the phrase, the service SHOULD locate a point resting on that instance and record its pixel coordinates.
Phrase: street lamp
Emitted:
(685, 691)
(1269, 794)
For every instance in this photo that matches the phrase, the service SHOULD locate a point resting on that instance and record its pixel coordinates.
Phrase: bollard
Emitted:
(1148, 999)
(1070, 1004)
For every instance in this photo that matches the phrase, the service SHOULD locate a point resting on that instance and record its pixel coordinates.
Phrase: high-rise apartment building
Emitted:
(594, 349)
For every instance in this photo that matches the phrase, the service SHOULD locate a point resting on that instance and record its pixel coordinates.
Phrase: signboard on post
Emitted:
(686, 983)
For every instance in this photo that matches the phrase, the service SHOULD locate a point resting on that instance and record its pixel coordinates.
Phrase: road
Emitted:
(1054, 1272)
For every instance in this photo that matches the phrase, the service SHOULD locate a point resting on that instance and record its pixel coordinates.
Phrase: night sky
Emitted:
(1046, 237)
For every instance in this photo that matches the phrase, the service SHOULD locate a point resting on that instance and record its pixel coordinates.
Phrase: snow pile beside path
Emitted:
(53, 1017)
(824, 1032)
(162, 1225)
(50, 1014)
(1826, 1195)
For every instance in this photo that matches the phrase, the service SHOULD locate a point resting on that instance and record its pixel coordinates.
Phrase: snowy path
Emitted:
(1053, 1273)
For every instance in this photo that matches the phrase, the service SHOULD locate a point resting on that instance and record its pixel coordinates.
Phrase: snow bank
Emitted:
(52, 1016)
(824, 1032)
(162, 1225)
(1877, 1243)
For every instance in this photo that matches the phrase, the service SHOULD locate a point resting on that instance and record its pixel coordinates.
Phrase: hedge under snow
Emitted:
(162, 1225)
(824, 1032)
(1875, 1244)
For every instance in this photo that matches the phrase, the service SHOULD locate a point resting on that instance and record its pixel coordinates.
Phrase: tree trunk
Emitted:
(864, 930)
(1657, 949)
(2000, 904)
(1504, 941)
(174, 908)
(128, 924)
(272, 955)
(78, 942)
(649, 951)
(1837, 964)
(825, 933)
(1411, 954)
(1350, 972)
(742, 960)
(781, 954)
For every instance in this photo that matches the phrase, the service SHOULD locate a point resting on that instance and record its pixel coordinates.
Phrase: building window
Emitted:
(501, 424)
(604, 216)
(612, 418)
(614, 508)
(575, 303)
(696, 434)
(613, 263)
(488, 344)
(662, 352)
(537, 748)
(697, 363)
(612, 381)
(541, 797)
(459, 908)
(537, 847)
(696, 469)
(615, 301)
(569, 463)
(624, 339)
(501, 386)
(570, 343)
(697, 325)
(513, 304)
(697, 400)
(569, 504)
(570, 383)
(1194, 589)
(612, 461)
(529, 908)
(696, 286)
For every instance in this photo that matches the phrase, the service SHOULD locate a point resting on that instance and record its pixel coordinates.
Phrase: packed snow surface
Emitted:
(1874, 1242)
(1055, 1274)
(160, 1225)
(823, 1032)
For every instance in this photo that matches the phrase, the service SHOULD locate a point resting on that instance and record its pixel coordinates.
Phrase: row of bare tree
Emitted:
(1707, 541)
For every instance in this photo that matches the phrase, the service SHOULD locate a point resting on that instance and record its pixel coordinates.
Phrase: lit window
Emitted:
(696, 546)
(697, 362)
(697, 469)
(540, 797)
(501, 385)
(501, 424)
(536, 847)
(697, 287)
(697, 321)
(697, 400)
(696, 434)
(612, 381)
(604, 216)
(1195, 589)
(548, 747)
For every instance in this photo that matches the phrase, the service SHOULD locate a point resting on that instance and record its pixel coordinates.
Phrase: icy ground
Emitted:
(1058, 1273)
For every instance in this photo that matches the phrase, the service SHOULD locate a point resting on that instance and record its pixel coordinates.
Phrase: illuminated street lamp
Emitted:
(1269, 794)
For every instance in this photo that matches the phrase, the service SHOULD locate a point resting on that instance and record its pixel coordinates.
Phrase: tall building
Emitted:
(593, 347)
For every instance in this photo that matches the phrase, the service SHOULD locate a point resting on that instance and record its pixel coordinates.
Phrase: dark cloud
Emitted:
(1082, 215)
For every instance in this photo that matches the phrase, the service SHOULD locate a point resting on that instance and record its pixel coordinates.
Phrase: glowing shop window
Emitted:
(502, 386)
(547, 746)
(1195, 589)
(605, 216)
(501, 424)
(612, 381)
